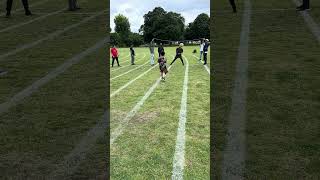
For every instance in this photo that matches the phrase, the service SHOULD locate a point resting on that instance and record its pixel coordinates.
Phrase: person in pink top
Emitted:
(114, 54)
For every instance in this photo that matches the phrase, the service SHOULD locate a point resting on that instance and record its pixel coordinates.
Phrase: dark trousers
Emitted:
(306, 3)
(73, 5)
(233, 4)
(24, 2)
(177, 56)
(115, 58)
(205, 58)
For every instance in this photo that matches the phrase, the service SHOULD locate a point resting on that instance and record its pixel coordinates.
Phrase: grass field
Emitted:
(145, 117)
(54, 92)
(282, 101)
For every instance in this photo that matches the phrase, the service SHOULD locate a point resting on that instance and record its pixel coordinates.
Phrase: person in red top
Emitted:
(114, 54)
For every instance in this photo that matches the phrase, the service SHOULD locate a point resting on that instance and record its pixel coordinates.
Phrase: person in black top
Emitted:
(179, 52)
(160, 49)
(25, 5)
(132, 53)
(233, 4)
(305, 5)
(205, 51)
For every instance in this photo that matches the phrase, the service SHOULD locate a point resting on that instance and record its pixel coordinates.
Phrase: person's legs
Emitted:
(152, 59)
(200, 55)
(205, 58)
(132, 59)
(112, 61)
(26, 7)
(9, 6)
(306, 4)
(175, 58)
(117, 61)
(233, 4)
(181, 60)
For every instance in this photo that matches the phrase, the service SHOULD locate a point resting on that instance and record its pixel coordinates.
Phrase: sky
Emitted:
(135, 9)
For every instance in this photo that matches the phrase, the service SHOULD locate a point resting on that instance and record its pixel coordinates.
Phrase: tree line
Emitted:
(160, 24)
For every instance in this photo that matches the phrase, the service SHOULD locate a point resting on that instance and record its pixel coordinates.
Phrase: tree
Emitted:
(135, 39)
(122, 25)
(199, 28)
(161, 24)
(115, 39)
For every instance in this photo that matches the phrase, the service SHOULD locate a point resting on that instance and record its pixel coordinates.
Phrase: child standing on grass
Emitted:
(114, 54)
(162, 65)
(132, 53)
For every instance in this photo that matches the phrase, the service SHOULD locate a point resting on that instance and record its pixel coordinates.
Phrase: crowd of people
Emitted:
(162, 60)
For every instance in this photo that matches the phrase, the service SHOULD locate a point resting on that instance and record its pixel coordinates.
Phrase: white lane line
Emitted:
(234, 153)
(31, 21)
(50, 36)
(313, 26)
(28, 91)
(73, 159)
(205, 66)
(139, 66)
(178, 160)
(130, 82)
(113, 70)
(118, 131)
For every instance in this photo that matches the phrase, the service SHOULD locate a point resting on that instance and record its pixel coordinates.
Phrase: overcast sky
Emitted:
(135, 9)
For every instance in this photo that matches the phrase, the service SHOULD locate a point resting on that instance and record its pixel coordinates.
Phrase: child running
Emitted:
(179, 52)
(162, 65)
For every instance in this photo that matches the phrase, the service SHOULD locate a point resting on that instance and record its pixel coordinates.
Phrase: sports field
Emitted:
(160, 128)
(52, 99)
(266, 90)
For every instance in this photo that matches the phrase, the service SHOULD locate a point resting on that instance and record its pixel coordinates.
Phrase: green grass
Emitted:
(146, 148)
(283, 92)
(39, 132)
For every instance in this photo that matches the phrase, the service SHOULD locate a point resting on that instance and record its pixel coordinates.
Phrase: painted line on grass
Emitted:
(178, 160)
(17, 98)
(113, 70)
(31, 21)
(312, 25)
(139, 66)
(73, 159)
(50, 36)
(205, 66)
(118, 131)
(234, 153)
(130, 82)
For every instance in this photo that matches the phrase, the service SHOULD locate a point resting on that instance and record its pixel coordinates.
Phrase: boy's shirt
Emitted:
(132, 51)
(114, 52)
(206, 47)
(201, 46)
(179, 51)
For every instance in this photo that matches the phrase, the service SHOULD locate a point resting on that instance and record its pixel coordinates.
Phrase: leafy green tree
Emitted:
(122, 25)
(199, 28)
(161, 24)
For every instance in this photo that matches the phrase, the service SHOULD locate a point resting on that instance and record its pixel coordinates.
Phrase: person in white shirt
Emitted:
(201, 49)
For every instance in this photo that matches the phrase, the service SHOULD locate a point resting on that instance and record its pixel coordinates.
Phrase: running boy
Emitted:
(114, 54)
(179, 52)
(162, 65)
